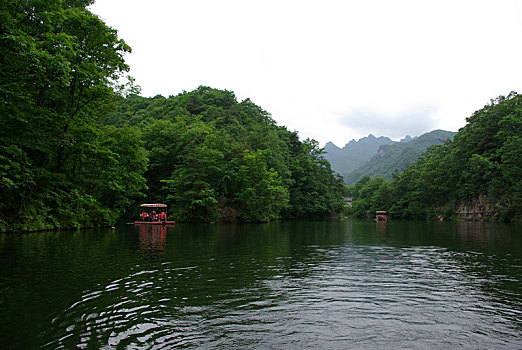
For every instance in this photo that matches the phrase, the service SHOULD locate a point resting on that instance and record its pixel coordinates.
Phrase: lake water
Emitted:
(284, 285)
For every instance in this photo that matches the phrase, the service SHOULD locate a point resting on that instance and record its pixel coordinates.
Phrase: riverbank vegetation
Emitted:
(79, 147)
(477, 175)
(212, 158)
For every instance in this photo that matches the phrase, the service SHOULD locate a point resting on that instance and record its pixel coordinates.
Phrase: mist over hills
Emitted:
(380, 156)
(354, 153)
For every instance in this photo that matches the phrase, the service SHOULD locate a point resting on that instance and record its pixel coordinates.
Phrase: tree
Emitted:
(201, 145)
(261, 196)
(60, 70)
(481, 165)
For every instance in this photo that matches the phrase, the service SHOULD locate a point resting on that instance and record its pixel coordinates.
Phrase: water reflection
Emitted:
(153, 240)
(357, 284)
(381, 227)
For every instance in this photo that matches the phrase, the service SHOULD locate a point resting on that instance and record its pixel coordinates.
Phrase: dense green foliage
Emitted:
(59, 166)
(79, 147)
(478, 174)
(396, 156)
(213, 158)
(75, 152)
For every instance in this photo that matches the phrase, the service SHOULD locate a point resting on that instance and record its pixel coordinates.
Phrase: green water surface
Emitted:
(284, 285)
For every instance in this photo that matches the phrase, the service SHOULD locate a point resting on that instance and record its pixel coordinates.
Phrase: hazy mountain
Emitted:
(354, 153)
(394, 156)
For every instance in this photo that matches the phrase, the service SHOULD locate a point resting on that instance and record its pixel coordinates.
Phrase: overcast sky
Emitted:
(331, 70)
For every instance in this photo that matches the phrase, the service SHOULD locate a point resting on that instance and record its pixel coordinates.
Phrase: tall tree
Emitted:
(60, 67)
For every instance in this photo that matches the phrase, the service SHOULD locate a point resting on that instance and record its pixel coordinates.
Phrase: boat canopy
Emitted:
(153, 205)
(380, 212)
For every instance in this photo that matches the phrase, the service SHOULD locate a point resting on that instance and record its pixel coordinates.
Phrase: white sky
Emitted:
(331, 70)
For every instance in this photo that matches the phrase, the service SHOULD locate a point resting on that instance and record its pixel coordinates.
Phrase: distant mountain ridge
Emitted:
(354, 153)
(371, 156)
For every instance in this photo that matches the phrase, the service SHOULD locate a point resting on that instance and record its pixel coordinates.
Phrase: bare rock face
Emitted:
(478, 209)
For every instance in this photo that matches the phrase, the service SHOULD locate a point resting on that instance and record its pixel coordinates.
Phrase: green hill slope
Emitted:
(396, 156)
(355, 153)
(476, 176)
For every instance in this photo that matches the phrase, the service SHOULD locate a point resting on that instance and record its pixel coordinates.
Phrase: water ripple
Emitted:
(345, 296)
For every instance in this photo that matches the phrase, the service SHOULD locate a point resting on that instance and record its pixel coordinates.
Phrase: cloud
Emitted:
(414, 121)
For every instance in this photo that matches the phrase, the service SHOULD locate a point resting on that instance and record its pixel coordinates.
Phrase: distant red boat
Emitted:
(149, 216)
(380, 216)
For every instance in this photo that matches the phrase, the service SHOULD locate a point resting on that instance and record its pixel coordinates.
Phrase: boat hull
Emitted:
(154, 222)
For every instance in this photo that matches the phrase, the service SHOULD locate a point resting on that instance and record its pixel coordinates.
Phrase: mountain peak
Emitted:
(331, 146)
(354, 153)
(395, 156)
(379, 156)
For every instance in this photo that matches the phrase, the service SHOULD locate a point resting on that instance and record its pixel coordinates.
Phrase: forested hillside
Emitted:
(214, 158)
(477, 175)
(60, 166)
(396, 157)
(78, 147)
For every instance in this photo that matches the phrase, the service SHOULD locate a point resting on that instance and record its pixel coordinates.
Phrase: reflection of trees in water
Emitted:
(487, 255)
(381, 227)
(486, 234)
(224, 259)
(209, 274)
(491, 256)
(214, 261)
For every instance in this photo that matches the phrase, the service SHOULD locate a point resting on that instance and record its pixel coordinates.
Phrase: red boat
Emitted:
(149, 216)
(380, 216)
